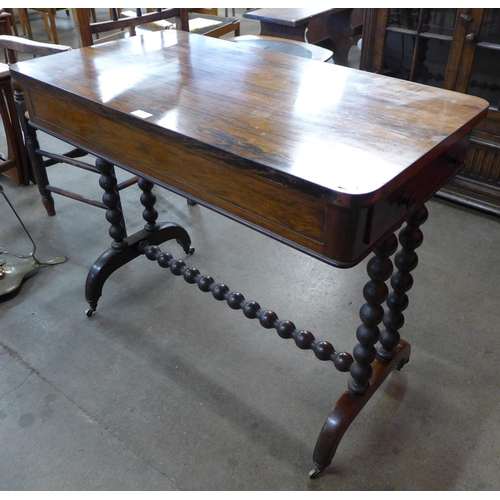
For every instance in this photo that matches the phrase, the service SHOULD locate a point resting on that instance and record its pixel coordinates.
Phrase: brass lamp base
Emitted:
(14, 269)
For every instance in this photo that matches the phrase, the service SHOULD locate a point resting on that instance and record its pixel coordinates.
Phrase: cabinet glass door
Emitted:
(485, 76)
(418, 44)
(456, 49)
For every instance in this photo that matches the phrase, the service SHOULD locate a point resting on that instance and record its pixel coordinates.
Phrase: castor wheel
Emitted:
(90, 311)
(315, 472)
(403, 362)
(188, 249)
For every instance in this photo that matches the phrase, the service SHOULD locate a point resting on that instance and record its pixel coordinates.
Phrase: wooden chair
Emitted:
(49, 20)
(89, 32)
(14, 161)
(10, 22)
(12, 46)
(225, 25)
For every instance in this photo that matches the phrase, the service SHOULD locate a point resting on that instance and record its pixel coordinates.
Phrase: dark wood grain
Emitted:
(325, 158)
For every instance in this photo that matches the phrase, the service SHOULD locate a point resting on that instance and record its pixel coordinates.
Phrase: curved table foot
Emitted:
(114, 258)
(348, 407)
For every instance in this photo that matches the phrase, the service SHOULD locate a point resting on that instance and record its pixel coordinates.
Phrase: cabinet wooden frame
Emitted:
(478, 185)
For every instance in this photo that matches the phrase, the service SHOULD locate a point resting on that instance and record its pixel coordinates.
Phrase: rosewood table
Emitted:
(327, 159)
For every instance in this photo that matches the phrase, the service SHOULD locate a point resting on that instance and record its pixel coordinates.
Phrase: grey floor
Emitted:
(165, 388)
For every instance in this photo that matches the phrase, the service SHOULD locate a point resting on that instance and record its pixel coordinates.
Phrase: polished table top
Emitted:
(280, 143)
(289, 16)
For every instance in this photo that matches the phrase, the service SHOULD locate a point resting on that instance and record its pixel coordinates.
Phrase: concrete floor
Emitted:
(165, 388)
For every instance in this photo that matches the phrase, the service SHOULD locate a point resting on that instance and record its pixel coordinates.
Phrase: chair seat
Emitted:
(4, 71)
(285, 46)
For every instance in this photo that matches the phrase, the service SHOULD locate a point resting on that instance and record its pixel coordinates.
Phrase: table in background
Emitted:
(342, 27)
(326, 159)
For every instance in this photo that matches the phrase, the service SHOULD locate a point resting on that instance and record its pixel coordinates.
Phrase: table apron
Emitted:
(311, 222)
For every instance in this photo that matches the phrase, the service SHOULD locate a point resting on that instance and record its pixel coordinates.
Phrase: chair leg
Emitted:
(21, 20)
(52, 19)
(47, 27)
(39, 170)
(37, 163)
(16, 152)
(49, 21)
(25, 22)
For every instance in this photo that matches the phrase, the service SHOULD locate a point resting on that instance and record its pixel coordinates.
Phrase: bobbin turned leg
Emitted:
(126, 248)
(375, 292)
(160, 232)
(406, 260)
(372, 367)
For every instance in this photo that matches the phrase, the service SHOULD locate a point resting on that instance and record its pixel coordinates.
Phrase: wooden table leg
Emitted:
(349, 406)
(126, 248)
(372, 366)
(340, 32)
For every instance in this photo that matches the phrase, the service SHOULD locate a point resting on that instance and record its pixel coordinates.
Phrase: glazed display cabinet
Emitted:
(455, 49)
